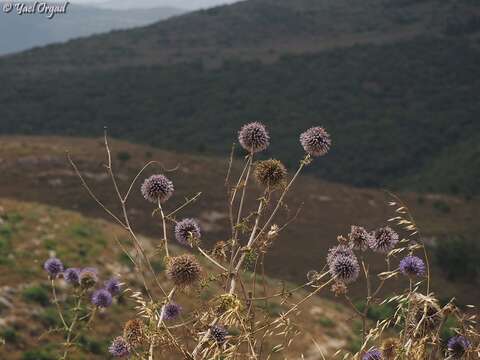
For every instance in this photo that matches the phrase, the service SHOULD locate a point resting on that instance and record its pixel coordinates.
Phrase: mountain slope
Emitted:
(79, 21)
(35, 169)
(30, 233)
(399, 105)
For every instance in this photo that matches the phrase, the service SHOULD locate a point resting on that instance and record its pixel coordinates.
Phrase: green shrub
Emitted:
(38, 354)
(37, 294)
(458, 258)
(10, 336)
(325, 321)
(123, 156)
(441, 206)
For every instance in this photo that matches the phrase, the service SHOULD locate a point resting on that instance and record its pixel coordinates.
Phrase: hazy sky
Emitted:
(185, 4)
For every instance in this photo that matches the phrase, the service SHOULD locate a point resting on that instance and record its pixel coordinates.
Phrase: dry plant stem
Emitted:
(72, 326)
(169, 216)
(233, 225)
(254, 238)
(412, 220)
(164, 225)
(160, 320)
(126, 225)
(57, 305)
(280, 200)
(249, 244)
(213, 261)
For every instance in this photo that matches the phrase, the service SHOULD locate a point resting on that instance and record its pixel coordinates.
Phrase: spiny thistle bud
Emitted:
(389, 348)
(187, 231)
(336, 251)
(102, 298)
(273, 233)
(457, 346)
(316, 141)
(270, 173)
(383, 240)
(72, 276)
(254, 137)
(113, 286)
(373, 354)
(218, 333)
(157, 188)
(171, 311)
(339, 288)
(359, 238)
(53, 266)
(412, 266)
(184, 270)
(227, 302)
(88, 278)
(119, 347)
(345, 268)
(133, 332)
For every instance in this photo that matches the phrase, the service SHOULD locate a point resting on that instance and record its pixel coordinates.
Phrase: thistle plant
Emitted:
(230, 324)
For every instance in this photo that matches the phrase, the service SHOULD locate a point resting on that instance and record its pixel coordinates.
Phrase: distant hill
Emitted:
(147, 4)
(395, 82)
(29, 31)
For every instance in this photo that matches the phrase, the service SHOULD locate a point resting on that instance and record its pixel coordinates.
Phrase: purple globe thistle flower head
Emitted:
(315, 141)
(383, 240)
(412, 266)
(373, 354)
(336, 251)
(254, 137)
(458, 345)
(157, 188)
(113, 286)
(345, 268)
(53, 266)
(359, 238)
(102, 298)
(72, 276)
(218, 333)
(187, 229)
(88, 277)
(119, 347)
(171, 311)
